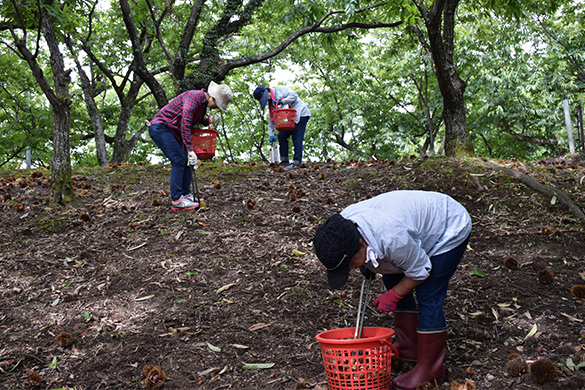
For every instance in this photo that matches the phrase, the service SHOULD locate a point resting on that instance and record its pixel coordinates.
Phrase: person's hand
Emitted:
(387, 302)
(192, 158)
(214, 119)
(272, 139)
(367, 272)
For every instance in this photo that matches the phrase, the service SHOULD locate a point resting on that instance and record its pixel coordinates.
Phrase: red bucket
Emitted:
(363, 363)
(284, 118)
(204, 143)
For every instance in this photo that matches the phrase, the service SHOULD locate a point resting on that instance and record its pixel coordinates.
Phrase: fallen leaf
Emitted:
(572, 318)
(260, 325)
(532, 332)
(477, 272)
(179, 330)
(213, 347)
(495, 313)
(208, 371)
(216, 377)
(570, 364)
(257, 366)
(240, 346)
(298, 253)
(144, 298)
(224, 288)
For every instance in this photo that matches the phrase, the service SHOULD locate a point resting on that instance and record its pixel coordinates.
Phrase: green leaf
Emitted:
(223, 288)
(56, 301)
(144, 298)
(53, 364)
(191, 273)
(477, 272)
(257, 366)
(213, 347)
(570, 364)
(86, 315)
(553, 201)
(532, 332)
(298, 253)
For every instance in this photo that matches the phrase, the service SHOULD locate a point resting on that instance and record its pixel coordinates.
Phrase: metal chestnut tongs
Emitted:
(363, 305)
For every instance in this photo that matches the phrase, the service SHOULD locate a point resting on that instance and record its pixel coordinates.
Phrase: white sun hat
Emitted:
(221, 93)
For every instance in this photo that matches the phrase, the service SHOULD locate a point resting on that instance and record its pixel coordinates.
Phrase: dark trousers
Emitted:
(173, 150)
(298, 135)
(431, 293)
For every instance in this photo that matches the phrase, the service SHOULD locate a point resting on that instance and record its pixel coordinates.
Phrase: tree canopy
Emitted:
(381, 79)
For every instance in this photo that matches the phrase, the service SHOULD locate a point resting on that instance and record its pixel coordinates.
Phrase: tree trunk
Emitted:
(122, 146)
(121, 149)
(138, 59)
(440, 24)
(61, 183)
(94, 116)
(128, 97)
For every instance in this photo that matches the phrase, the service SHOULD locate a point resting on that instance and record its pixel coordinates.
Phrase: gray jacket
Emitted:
(290, 98)
(406, 228)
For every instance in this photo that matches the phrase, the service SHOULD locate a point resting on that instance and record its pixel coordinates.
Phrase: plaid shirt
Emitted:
(182, 113)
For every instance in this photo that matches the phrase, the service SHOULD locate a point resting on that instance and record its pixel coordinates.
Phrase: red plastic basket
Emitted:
(204, 143)
(284, 118)
(363, 363)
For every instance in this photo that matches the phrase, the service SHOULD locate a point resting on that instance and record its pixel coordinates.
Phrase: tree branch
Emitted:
(505, 126)
(543, 189)
(316, 27)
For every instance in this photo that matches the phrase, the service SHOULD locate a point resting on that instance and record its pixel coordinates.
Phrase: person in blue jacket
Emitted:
(284, 96)
(416, 240)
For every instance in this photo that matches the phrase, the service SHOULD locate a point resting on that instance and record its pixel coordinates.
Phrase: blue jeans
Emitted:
(431, 293)
(164, 138)
(298, 135)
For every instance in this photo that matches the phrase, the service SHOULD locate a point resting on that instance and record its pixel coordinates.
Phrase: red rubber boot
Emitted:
(432, 347)
(405, 326)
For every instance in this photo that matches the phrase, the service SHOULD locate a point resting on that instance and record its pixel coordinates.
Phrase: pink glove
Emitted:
(388, 301)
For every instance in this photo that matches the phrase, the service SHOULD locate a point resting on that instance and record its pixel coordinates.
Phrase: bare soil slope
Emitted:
(202, 294)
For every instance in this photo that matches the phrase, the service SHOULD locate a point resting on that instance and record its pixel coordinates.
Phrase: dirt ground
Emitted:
(231, 296)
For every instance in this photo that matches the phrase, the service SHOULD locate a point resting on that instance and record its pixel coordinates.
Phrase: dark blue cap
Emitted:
(261, 94)
(335, 243)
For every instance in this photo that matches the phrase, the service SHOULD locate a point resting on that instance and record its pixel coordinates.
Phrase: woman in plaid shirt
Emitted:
(170, 129)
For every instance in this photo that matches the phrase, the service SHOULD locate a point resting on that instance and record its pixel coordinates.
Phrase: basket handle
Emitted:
(392, 347)
(277, 102)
